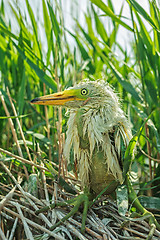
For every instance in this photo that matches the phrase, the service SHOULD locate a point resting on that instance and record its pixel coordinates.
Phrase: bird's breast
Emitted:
(98, 165)
(100, 177)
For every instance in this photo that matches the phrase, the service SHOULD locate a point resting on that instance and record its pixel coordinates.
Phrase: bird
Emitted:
(99, 133)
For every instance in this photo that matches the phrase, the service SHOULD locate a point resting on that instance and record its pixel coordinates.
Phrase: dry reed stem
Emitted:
(45, 186)
(23, 207)
(99, 226)
(13, 132)
(47, 124)
(136, 232)
(13, 229)
(20, 128)
(73, 229)
(95, 227)
(4, 201)
(65, 160)
(154, 159)
(26, 195)
(53, 212)
(26, 227)
(2, 236)
(23, 159)
(35, 225)
(59, 123)
(88, 230)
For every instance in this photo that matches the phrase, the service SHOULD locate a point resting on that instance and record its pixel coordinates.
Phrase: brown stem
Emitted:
(14, 133)
(20, 128)
(47, 124)
(59, 123)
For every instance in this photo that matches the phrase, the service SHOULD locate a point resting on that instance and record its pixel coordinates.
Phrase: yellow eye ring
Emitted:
(84, 91)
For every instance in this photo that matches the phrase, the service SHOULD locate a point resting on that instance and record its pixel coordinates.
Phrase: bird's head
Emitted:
(90, 93)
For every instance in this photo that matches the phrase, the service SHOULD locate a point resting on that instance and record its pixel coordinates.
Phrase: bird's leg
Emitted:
(76, 202)
(136, 203)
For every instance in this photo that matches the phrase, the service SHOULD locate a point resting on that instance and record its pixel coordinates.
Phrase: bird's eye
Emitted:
(84, 91)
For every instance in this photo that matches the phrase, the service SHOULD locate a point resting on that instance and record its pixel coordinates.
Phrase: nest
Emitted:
(19, 221)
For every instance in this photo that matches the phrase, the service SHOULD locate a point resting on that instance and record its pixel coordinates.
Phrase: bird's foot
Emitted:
(136, 203)
(147, 215)
(76, 202)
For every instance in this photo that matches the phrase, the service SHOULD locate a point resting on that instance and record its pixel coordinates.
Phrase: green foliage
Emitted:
(29, 69)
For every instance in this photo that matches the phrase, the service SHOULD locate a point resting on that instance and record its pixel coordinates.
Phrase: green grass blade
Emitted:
(113, 35)
(40, 73)
(88, 19)
(7, 32)
(55, 24)
(129, 154)
(127, 85)
(143, 13)
(40, 137)
(152, 125)
(47, 22)
(84, 53)
(21, 93)
(48, 30)
(13, 117)
(152, 88)
(109, 13)
(87, 37)
(35, 28)
(25, 31)
(100, 27)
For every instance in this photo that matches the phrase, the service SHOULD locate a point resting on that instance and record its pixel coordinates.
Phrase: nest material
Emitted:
(19, 221)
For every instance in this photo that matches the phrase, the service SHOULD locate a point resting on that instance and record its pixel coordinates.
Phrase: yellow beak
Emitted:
(56, 99)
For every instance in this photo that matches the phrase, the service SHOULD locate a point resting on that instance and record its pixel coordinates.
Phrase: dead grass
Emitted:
(19, 221)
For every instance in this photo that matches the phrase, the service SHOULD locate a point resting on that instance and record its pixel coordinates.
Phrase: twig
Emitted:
(7, 198)
(99, 226)
(13, 132)
(88, 230)
(13, 229)
(73, 230)
(154, 159)
(26, 227)
(59, 146)
(136, 232)
(20, 128)
(59, 123)
(7, 216)
(2, 235)
(53, 212)
(65, 160)
(23, 159)
(26, 195)
(47, 123)
(35, 225)
(45, 185)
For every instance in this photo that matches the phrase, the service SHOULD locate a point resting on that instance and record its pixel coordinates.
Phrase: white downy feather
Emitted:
(98, 121)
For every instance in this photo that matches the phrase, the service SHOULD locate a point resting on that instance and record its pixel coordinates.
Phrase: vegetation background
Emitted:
(37, 57)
